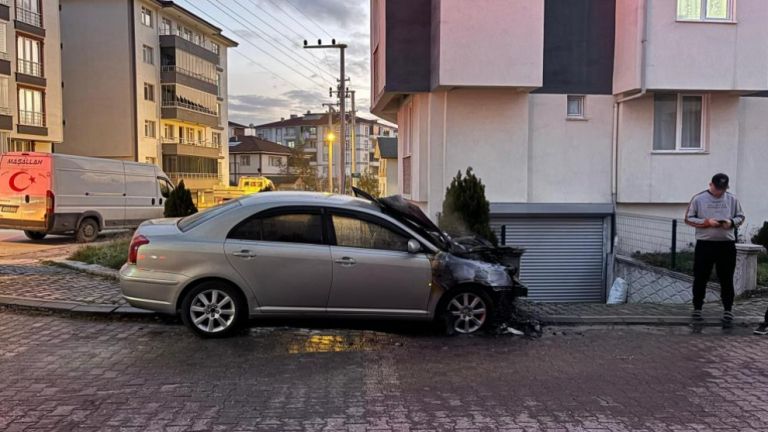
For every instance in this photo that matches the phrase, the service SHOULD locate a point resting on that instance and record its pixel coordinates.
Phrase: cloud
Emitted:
(306, 98)
(341, 13)
(252, 102)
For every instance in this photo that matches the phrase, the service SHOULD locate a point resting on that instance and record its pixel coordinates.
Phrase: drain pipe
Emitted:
(617, 105)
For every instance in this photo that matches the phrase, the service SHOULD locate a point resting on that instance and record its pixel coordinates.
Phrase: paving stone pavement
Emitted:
(75, 374)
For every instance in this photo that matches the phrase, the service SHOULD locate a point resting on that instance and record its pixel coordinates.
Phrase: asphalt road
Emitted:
(68, 373)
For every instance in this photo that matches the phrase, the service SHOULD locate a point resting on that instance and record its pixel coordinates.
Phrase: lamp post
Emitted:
(330, 137)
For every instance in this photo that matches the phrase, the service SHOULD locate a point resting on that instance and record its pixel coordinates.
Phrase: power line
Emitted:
(267, 53)
(280, 33)
(310, 19)
(325, 54)
(217, 22)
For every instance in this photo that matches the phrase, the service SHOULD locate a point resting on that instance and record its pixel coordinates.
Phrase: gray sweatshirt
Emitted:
(705, 206)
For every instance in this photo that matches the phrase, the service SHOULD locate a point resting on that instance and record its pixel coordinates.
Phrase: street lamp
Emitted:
(330, 137)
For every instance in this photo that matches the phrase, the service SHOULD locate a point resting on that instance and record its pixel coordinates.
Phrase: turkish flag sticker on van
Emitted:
(25, 174)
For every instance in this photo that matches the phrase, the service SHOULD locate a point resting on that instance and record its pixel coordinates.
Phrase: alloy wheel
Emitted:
(469, 312)
(212, 311)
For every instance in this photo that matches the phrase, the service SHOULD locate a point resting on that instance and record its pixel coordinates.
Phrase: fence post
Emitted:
(503, 235)
(674, 244)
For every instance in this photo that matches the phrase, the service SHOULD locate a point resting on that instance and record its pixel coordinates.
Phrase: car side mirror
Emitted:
(414, 246)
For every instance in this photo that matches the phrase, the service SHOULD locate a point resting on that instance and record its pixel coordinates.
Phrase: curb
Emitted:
(74, 307)
(643, 320)
(93, 269)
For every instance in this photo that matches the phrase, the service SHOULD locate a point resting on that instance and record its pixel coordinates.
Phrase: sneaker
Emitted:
(762, 329)
(696, 315)
(728, 317)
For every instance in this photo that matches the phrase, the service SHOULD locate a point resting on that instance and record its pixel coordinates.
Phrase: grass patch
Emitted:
(684, 264)
(112, 254)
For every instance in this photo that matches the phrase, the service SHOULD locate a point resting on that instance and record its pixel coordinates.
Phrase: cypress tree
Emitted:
(179, 202)
(466, 211)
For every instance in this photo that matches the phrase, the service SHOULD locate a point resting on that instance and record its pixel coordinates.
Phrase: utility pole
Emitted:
(342, 106)
(353, 138)
(329, 137)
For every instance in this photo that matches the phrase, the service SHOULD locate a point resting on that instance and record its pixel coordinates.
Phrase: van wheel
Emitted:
(87, 232)
(34, 235)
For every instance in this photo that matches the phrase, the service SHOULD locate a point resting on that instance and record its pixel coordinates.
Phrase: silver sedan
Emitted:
(308, 254)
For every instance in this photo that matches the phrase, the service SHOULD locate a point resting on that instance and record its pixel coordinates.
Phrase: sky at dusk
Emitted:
(270, 74)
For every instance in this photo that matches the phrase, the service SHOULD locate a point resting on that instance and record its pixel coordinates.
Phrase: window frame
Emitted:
(147, 15)
(703, 144)
(149, 89)
(148, 49)
(582, 115)
(366, 217)
(730, 19)
(154, 128)
(282, 211)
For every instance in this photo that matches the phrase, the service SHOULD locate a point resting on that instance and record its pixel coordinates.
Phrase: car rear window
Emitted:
(189, 222)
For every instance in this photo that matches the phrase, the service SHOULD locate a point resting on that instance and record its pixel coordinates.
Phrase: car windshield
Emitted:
(187, 223)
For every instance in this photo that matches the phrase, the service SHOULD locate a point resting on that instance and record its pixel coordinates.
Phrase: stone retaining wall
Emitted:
(648, 284)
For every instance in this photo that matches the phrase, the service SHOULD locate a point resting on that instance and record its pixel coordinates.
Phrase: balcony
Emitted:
(195, 180)
(29, 72)
(185, 110)
(29, 21)
(32, 122)
(205, 50)
(184, 147)
(172, 74)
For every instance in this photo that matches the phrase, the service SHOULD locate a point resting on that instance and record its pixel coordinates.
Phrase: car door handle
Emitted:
(244, 254)
(346, 261)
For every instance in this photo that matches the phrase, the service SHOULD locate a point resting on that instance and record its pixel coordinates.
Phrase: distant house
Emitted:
(253, 156)
(236, 129)
(386, 153)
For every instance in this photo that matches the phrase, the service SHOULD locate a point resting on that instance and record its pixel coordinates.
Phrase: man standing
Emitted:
(715, 214)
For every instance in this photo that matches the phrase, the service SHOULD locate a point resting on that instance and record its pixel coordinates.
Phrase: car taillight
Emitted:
(50, 199)
(133, 251)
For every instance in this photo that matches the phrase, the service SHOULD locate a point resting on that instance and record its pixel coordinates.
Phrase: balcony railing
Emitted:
(175, 32)
(198, 176)
(187, 104)
(177, 69)
(31, 118)
(198, 143)
(4, 55)
(29, 17)
(5, 110)
(29, 67)
(4, 2)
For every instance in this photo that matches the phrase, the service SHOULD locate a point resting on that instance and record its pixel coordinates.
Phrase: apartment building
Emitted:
(146, 81)
(308, 131)
(571, 110)
(30, 76)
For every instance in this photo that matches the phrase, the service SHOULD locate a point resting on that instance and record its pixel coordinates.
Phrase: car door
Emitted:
(373, 272)
(284, 257)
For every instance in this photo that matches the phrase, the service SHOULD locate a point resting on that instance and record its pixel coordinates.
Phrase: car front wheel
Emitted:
(213, 310)
(467, 310)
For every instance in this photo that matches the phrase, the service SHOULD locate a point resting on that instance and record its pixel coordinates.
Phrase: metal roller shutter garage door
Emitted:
(564, 259)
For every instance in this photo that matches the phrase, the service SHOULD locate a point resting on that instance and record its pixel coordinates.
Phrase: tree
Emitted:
(179, 202)
(466, 211)
(300, 165)
(369, 182)
(761, 237)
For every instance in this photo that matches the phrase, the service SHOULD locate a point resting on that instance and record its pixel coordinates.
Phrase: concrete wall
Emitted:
(569, 160)
(752, 175)
(626, 66)
(646, 176)
(224, 114)
(98, 99)
(490, 43)
(148, 147)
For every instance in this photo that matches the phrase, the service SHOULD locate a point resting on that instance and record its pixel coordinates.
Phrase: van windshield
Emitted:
(187, 223)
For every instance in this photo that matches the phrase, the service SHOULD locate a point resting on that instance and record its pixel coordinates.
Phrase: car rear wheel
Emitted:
(87, 232)
(34, 235)
(213, 310)
(467, 310)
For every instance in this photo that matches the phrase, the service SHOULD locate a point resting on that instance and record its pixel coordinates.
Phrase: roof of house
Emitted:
(388, 147)
(253, 144)
(216, 30)
(310, 119)
(237, 125)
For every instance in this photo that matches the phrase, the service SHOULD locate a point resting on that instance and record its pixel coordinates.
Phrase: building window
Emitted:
(168, 131)
(4, 89)
(29, 56)
(148, 54)
(165, 26)
(17, 145)
(216, 138)
(146, 16)
(291, 143)
(705, 10)
(275, 161)
(215, 47)
(31, 110)
(245, 160)
(28, 11)
(149, 128)
(3, 41)
(575, 107)
(149, 92)
(678, 122)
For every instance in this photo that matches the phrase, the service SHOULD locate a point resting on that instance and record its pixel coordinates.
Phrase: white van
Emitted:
(44, 193)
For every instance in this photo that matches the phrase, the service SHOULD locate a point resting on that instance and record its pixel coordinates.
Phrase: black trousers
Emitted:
(721, 255)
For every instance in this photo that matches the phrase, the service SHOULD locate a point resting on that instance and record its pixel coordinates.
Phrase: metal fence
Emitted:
(660, 239)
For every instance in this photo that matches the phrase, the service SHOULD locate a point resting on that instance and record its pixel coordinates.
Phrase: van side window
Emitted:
(165, 187)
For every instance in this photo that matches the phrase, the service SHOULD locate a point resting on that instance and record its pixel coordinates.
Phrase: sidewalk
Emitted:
(29, 283)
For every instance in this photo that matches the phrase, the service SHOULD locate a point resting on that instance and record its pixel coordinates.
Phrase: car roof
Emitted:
(308, 198)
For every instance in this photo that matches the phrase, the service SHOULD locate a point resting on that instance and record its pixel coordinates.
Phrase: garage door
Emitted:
(564, 259)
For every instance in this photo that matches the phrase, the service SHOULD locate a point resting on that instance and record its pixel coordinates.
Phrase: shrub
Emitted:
(761, 237)
(466, 211)
(112, 254)
(369, 182)
(179, 203)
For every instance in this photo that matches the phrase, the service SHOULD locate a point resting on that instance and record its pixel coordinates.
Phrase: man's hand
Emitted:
(726, 224)
(713, 223)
